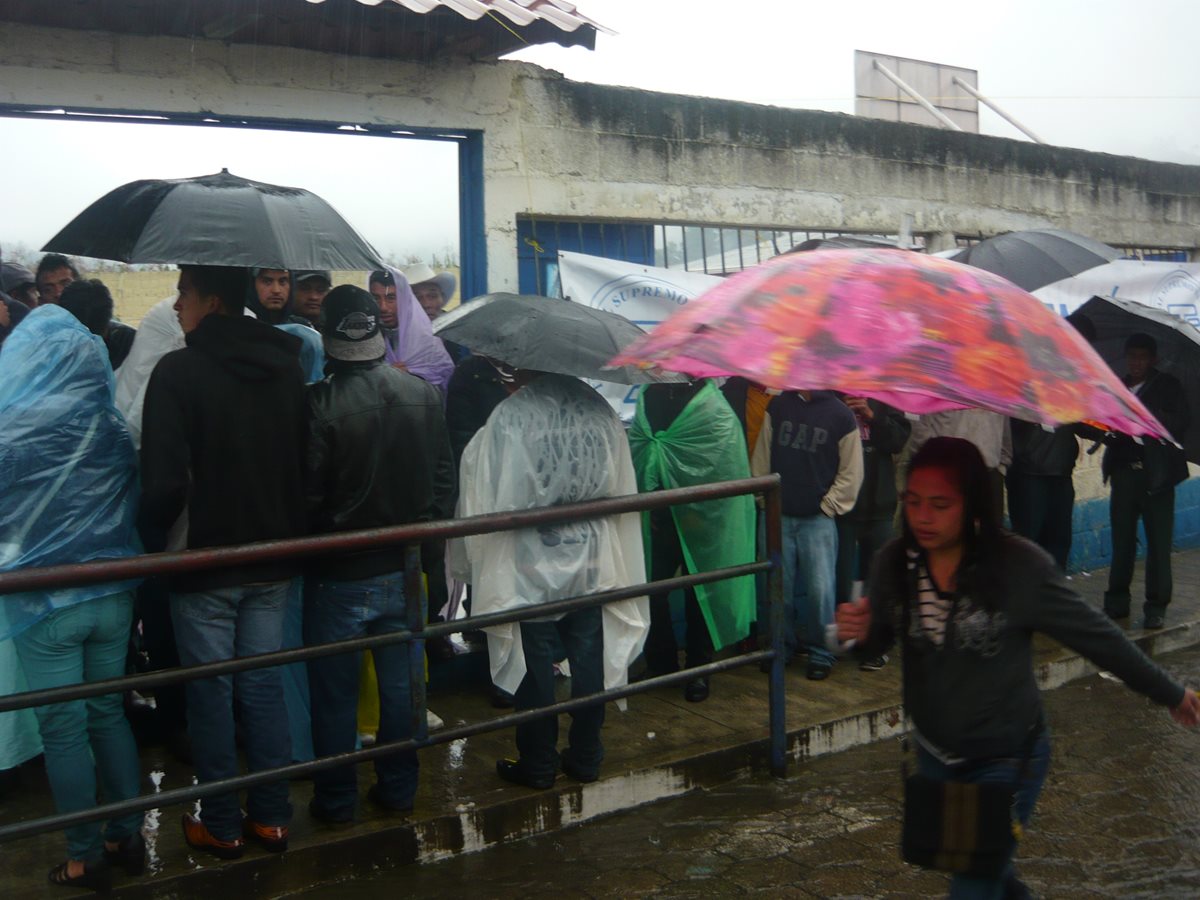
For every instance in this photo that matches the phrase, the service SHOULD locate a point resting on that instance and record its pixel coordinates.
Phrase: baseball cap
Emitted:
(13, 275)
(300, 275)
(351, 326)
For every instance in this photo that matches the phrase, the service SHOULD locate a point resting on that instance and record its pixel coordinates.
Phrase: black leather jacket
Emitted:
(378, 455)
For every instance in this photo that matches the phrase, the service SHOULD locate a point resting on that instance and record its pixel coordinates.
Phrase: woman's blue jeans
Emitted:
(993, 771)
(86, 741)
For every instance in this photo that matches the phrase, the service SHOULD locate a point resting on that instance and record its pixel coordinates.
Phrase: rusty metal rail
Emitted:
(409, 538)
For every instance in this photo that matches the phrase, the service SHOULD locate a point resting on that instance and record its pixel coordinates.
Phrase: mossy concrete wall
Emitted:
(553, 147)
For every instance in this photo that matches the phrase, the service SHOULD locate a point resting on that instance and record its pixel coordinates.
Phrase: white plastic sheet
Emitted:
(555, 441)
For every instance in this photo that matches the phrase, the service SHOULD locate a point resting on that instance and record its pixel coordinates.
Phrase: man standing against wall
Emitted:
(223, 438)
(812, 440)
(1143, 486)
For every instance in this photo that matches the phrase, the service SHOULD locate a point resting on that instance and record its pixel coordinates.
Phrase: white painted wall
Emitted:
(556, 148)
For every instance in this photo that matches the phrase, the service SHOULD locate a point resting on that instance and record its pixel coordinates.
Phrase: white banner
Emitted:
(1172, 286)
(645, 295)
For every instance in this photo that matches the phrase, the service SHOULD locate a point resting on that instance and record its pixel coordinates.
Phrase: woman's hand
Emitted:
(854, 621)
(1187, 712)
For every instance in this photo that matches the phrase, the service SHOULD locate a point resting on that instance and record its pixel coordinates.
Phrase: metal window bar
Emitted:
(410, 536)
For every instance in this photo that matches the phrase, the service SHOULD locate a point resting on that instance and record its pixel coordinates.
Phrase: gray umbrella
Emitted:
(530, 332)
(1038, 257)
(215, 220)
(1178, 350)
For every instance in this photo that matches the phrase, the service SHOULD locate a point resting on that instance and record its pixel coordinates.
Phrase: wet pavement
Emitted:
(660, 748)
(1119, 817)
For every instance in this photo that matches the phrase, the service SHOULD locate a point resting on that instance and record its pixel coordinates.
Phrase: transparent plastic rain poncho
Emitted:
(68, 471)
(704, 444)
(555, 441)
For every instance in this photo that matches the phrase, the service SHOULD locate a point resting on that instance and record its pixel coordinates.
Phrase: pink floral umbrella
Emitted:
(920, 333)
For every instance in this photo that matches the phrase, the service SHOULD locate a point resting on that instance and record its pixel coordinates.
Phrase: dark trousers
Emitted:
(858, 542)
(153, 607)
(662, 653)
(537, 741)
(1129, 502)
(1040, 507)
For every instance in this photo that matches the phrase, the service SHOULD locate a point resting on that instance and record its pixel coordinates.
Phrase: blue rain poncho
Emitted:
(312, 350)
(68, 472)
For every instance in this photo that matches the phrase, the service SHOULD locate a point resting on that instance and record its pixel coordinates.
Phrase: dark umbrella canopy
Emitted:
(530, 332)
(215, 220)
(1178, 350)
(1038, 257)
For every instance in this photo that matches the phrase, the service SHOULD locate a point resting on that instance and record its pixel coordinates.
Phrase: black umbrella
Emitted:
(530, 332)
(215, 220)
(1038, 257)
(1178, 350)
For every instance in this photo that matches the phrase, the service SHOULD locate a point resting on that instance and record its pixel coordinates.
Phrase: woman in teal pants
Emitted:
(69, 480)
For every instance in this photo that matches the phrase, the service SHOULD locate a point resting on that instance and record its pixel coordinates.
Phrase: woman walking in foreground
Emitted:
(964, 598)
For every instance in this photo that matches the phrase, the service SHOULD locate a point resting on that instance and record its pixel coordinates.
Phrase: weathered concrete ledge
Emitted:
(661, 747)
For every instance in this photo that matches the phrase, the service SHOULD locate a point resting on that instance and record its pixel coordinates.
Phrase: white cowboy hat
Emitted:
(419, 273)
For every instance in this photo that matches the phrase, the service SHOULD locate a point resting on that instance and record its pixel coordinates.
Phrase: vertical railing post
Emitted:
(415, 605)
(777, 620)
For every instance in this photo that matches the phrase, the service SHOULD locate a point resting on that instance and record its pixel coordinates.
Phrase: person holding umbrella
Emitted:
(1143, 478)
(964, 598)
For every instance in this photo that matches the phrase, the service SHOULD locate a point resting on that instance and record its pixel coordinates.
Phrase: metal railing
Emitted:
(409, 537)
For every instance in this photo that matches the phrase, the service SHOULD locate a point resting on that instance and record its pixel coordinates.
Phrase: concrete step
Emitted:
(662, 746)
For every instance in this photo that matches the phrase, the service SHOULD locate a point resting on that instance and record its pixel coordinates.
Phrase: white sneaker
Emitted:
(433, 721)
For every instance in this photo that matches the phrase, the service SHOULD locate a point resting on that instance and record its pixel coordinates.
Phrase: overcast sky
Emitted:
(1105, 75)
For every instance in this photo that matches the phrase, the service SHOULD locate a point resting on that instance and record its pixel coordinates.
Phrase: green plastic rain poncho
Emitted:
(704, 444)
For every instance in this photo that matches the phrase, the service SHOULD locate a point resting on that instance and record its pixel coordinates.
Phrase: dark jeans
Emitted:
(222, 624)
(993, 771)
(339, 610)
(662, 653)
(1129, 502)
(537, 741)
(1040, 507)
(858, 542)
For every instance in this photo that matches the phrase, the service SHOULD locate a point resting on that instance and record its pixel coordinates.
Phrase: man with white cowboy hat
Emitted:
(433, 289)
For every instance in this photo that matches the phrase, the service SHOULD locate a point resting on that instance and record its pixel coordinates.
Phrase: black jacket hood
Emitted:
(249, 349)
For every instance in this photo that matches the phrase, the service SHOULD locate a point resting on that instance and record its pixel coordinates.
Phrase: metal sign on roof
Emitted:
(879, 91)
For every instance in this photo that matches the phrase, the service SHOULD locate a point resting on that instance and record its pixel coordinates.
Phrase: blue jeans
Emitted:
(993, 771)
(339, 610)
(218, 625)
(537, 741)
(84, 739)
(809, 584)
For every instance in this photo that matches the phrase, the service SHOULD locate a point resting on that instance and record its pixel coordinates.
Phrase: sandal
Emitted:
(97, 876)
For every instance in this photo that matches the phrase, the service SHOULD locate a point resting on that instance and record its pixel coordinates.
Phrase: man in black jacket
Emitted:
(1143, 486)
(222, 449)
(378, 455)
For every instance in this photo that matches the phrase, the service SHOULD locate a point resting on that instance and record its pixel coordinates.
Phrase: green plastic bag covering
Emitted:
(704, 444)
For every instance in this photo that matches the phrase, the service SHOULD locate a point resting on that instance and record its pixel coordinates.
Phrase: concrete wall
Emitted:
(558, 148)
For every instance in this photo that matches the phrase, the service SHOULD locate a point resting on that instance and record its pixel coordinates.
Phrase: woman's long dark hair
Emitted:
(980, 573)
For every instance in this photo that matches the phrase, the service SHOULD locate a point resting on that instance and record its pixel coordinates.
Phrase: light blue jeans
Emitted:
(222, 624)
(810, 582)
(85, 740)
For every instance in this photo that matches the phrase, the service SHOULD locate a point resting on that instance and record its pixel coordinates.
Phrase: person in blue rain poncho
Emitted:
(68, 476)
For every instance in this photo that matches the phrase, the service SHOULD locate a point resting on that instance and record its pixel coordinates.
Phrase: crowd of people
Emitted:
(268, 404)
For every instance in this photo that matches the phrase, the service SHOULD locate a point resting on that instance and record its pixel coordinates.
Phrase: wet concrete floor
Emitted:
(1119, 817)
(662, 747)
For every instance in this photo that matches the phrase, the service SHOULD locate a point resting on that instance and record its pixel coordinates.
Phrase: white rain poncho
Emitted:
(157, 335)
(555, 441)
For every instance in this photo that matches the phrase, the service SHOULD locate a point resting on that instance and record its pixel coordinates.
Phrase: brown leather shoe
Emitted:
(198, 837)
(274, 838)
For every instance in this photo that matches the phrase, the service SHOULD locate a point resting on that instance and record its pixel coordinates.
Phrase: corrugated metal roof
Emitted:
(418, 30)
(565, 16)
